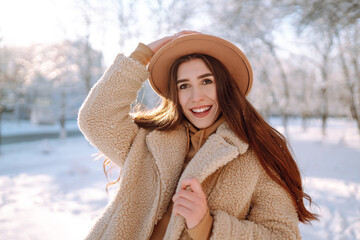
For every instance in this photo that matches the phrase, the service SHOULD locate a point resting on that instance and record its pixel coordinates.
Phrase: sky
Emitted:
(24, 22)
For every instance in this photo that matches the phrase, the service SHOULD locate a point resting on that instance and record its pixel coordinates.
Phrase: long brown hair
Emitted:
(269, 145)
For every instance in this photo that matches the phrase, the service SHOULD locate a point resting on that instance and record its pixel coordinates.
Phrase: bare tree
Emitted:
(11, 78)
(126, 18)
(53, 78)
(303, 88)
(253, 25)
(351, 82)
(173, 15)
(1, 82)
(324, 50)
(284, 104)
(320, 57)
(333, 19)
(86, 61)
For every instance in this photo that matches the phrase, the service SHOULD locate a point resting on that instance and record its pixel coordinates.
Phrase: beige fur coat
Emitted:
(244, 201)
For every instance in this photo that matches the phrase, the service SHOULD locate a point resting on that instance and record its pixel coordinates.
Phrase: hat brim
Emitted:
(231, 56)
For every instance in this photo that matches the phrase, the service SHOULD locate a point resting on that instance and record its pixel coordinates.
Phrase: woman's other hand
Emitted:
(190, 202)
(156, 45)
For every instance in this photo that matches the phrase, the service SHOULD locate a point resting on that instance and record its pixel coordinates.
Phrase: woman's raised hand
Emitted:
(190, 202)
(156, 45)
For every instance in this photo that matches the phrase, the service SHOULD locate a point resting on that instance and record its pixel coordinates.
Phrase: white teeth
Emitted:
(199, 110)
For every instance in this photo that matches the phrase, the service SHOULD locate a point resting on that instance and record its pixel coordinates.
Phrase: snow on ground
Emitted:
(331, 167)
(53, 189)
(24, 127)
(49, 189)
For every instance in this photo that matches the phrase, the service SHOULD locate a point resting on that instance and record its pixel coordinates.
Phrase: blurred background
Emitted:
(306, 60)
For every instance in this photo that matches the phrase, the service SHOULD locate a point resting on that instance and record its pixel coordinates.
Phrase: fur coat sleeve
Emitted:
(106, 109)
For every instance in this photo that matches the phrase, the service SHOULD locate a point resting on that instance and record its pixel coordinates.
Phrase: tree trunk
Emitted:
(62, 119)
(285, 105)
(325, 105)
(351, 86)
(355, 63)
(87, 73)
(325, 76)
(304, 121)
(265, 76)
(1, 111)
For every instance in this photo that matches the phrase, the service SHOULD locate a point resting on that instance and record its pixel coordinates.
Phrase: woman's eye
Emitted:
(207, 81)
(183, 86)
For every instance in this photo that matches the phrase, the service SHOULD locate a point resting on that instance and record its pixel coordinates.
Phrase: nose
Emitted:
(197, 94)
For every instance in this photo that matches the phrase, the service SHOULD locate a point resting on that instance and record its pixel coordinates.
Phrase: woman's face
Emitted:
(197, 93)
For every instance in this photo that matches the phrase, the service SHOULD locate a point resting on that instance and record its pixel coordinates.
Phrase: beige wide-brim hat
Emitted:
(231, 56)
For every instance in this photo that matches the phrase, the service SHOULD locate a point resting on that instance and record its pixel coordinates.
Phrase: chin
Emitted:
(201, 124)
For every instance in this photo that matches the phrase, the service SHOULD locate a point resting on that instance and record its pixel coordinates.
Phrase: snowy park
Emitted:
(306, 65)
(55, 189)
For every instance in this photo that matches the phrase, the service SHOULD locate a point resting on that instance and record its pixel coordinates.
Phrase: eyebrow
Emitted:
(199, 77)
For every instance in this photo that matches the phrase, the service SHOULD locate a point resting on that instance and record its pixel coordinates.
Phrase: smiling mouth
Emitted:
(201, 110)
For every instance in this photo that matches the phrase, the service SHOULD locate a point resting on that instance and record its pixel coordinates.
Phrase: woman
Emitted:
(204, 164)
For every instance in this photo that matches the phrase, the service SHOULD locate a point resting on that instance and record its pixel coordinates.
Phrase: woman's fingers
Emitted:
(186, 194)
(190, 189)
(193, 184)
(180, 210)
(190, 202)
(156, 45)
(184, 202)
